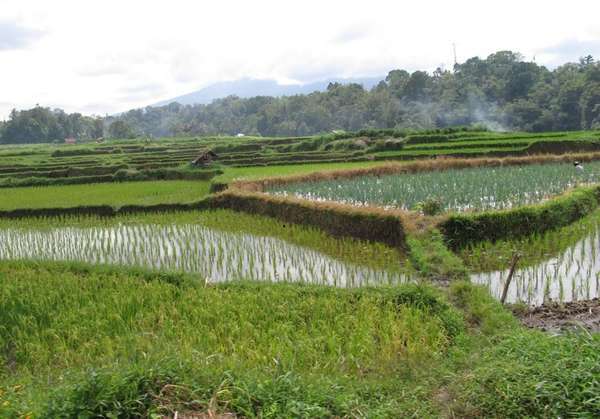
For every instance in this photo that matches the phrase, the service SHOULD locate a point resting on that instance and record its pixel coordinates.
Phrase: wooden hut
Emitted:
(204, 159)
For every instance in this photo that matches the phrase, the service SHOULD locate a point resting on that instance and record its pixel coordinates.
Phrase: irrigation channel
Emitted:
(572, 275)
(215, 255)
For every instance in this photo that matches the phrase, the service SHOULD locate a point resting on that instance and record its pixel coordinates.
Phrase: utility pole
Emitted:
(454, 50)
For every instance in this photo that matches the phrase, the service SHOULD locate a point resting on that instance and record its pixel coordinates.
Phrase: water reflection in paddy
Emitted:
(570, 276)
(214, 255)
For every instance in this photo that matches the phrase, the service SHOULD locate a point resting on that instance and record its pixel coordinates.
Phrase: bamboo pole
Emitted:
(513, 265)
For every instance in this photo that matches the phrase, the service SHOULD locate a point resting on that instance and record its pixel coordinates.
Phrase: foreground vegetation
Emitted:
(81, 341)
(269, 340)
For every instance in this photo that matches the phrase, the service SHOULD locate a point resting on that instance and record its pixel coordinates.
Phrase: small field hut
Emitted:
(204, 159)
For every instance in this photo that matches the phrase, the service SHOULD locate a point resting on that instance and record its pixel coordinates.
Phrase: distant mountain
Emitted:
(255, 87)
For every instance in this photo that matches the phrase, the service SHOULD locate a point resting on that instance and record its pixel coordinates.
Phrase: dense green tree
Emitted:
(120, 129)
(45, 125)
(500, 91)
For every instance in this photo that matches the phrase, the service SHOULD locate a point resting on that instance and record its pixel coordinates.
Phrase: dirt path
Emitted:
(556, 317)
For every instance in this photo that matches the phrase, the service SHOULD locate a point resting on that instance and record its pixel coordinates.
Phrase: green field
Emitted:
(169, 158)
(86, 342)
(215, 246)
(251, 173)
(114, 194)
(480, 188)
(293, 313)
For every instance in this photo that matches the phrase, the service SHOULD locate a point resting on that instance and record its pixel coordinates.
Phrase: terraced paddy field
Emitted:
(193, 243)
(169, 158)
(559, 266)
(481, 188)
(113, 194)
(288, 314)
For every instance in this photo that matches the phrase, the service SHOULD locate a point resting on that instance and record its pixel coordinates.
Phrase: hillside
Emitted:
(247, 87)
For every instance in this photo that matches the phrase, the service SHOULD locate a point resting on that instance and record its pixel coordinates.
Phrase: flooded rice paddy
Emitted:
(477, 188)
(572, 275)
(212, 254)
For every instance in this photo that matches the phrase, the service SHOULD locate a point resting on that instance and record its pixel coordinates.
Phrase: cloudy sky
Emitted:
(99, 57)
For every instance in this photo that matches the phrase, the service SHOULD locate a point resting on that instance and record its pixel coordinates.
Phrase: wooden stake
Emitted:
(513, 264)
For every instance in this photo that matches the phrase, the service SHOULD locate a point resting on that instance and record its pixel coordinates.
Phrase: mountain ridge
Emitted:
(248, 87)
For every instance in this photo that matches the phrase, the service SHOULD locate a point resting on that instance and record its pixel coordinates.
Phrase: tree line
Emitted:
(502, 91)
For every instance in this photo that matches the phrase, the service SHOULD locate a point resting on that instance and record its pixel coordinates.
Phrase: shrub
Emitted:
(431, 206)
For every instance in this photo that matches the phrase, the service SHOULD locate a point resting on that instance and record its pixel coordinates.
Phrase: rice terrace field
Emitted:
(479, 188)
(380, 273)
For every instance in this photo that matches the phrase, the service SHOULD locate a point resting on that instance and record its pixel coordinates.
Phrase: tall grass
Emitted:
(60, 323)
(531, 374)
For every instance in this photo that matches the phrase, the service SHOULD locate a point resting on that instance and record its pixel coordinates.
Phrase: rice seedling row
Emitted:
(479, 188)
(214, 255)
(572, 275)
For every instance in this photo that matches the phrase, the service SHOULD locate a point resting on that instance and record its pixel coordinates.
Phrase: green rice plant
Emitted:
(478, 188)
(97, 342)
(114, 194)
(567, 276)
(208, 244)
(486, 256)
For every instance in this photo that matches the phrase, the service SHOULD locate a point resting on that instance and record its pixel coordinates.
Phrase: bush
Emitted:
(128, 174)
(388, 145)
(431, 206)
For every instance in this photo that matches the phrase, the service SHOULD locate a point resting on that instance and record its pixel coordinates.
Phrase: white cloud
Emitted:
(115, 55)
(14, 36)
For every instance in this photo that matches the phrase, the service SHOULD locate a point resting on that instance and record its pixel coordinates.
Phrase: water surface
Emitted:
(212, 254)
(572, 275)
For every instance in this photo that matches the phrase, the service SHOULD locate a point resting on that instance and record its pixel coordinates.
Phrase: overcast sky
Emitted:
(99, 57)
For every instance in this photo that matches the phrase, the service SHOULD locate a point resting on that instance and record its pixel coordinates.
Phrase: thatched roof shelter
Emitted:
(205, 158)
